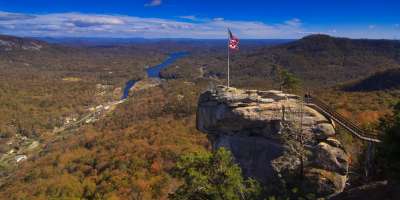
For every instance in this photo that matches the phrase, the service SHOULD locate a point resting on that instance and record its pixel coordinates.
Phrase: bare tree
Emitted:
(293, 134)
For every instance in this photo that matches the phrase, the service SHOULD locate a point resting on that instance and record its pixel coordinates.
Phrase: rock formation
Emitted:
(275, 138)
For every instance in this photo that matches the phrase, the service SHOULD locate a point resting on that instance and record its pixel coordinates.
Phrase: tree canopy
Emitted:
(213, 176)
(389, 150)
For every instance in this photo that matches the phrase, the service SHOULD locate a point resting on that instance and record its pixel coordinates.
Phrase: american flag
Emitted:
(233, 41)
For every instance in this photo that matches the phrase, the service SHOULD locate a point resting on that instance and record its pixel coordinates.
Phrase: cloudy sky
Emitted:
(200, 18)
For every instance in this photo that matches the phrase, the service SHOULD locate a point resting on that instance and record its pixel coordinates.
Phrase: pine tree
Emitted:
(213, 176)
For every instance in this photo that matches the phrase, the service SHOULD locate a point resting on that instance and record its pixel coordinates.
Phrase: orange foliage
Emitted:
(345, 113)
(127, 155)
(367, 117)
(155, 167)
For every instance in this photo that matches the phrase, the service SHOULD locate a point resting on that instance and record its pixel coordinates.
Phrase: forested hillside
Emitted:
(385, 80)
(128, 155)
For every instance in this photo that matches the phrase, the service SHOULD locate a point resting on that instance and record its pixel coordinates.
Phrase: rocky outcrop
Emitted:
(272, 135)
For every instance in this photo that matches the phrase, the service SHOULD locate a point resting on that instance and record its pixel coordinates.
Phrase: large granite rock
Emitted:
(271, 135)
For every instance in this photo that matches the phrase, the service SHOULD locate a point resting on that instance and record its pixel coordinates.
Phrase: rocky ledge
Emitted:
(275, 138)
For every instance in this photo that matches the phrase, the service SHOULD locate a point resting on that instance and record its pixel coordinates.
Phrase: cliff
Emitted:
(275, 138)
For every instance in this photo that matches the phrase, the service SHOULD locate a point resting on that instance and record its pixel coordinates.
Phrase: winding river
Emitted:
(154, 71)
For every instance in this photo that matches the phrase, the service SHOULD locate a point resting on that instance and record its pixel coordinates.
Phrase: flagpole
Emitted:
(228, 56)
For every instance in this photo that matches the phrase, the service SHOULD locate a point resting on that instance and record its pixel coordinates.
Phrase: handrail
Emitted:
(350, 126)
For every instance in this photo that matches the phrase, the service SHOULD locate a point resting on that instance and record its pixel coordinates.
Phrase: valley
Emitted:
(25, 147)
(96, 122)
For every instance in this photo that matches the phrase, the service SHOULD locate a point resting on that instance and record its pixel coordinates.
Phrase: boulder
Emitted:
(324, 131)
(331, 158)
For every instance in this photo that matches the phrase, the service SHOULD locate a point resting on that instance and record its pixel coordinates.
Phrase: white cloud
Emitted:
(153, 3)
(86, 21)
(6, 16)
(190, 26)
(293, 22)
(189, 17)
(95, 25)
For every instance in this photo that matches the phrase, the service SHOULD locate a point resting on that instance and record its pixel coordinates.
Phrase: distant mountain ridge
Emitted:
(92, 41)
(328, 60)
(319, 42)
(9, 43)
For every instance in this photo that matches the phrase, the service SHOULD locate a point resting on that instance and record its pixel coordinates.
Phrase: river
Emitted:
(154, 71)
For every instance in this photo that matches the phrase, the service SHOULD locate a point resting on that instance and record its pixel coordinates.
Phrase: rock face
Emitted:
(271, 135)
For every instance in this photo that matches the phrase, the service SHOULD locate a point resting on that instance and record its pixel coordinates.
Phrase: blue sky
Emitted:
(200, 18)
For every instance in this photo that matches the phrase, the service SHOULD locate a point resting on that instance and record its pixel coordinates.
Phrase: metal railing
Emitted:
(350, 126)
